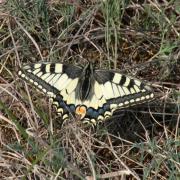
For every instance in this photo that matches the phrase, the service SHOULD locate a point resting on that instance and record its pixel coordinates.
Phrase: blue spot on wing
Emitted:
(72, 108)
(106, 107)
(101, 111)
(92, 113)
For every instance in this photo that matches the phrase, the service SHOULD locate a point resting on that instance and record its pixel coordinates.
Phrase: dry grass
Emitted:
(140, 39)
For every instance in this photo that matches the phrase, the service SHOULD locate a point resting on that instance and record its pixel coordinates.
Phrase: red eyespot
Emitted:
(81, 111)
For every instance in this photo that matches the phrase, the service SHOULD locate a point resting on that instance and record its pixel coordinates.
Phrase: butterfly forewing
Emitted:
(121, 91)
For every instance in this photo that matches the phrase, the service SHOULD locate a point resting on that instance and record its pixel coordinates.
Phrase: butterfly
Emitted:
(88, 93)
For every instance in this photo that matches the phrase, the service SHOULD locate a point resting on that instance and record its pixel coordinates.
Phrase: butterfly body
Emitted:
(93, 95)
(86, 82)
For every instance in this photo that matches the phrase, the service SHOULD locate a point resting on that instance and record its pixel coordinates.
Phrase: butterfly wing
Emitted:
(113, 91)
(123, 90)
(56, 80)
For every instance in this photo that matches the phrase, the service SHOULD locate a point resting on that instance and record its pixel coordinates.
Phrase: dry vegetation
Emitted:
(140, 38)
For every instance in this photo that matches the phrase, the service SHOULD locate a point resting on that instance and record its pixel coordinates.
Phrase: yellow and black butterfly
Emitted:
(91, 94)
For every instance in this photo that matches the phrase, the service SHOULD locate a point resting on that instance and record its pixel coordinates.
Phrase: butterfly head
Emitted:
(89, 67)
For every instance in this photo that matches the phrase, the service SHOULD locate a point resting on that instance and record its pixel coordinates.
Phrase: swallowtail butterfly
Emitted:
(92, 95)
